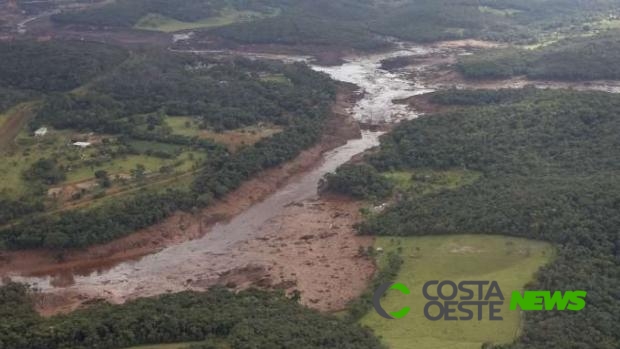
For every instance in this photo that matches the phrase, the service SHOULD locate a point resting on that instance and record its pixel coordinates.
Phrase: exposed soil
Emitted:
(312, 247)
(181, 226)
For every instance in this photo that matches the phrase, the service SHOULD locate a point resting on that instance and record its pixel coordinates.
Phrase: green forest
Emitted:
(132, 106)
(31, 68)
(549, 163)
(127, 13)
(582, 58)
(247, 320)
(360, 24)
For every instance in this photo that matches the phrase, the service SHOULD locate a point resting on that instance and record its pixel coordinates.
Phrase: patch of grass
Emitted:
(228, 16)
(3, 118)
(124, 165)
(164, 346)
(13, 121)
(512, 262)
(56, 145)
(183, 126)
(424, 182)
(609, 24)
(276, 78)
(245, 136)
(507, 12)
(219, 344)
(28, 149)
(232, 139)
(144, 146)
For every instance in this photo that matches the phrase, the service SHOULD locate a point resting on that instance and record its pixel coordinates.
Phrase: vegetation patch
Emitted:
(245, 320)
(116, 138)
(581, 58)
(217, 344)
(226, 17)
(424, 182)
(233, 140)
(548, 162)
(511, 262)
(506, 12)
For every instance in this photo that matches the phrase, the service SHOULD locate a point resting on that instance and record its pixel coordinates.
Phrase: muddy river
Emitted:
(198, 264)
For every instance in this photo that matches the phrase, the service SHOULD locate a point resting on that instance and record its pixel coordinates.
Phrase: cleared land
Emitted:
(184, 345)
(510, 261)
(232, 139)
(82, 163)
(423, 181)
(158, 22)
(12, 121)
(165, 346)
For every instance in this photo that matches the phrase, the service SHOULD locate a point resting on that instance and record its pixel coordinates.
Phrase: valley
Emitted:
(282, 159)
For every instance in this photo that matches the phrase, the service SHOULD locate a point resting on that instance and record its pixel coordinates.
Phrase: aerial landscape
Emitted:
(258, 174)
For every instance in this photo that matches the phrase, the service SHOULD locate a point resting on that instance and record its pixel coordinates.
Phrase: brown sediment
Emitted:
(312, 247)
(183, 226)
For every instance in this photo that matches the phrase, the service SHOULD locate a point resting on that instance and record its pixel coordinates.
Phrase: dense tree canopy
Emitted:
(132, 102)
(224, 94)
(549, 162)
(359, 24)
(359, 181)
(248, 320)
(588, 58)
(54, 66)
(126, 13)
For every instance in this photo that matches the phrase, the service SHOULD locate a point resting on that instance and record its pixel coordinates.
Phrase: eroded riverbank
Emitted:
(176, 256)
(272, 232)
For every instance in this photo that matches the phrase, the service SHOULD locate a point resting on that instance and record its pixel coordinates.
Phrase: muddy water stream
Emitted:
(198, 264)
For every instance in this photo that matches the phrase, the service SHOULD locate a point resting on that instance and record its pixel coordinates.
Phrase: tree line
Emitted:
(300, 107)
(248, 320)
(574, 59)
(358, 24)
(548, 161)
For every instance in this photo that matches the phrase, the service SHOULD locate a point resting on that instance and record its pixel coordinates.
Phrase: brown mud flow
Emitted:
(289, 239)
(274, 231)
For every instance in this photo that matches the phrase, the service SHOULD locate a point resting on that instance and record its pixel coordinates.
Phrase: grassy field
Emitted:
(12, 121)
(227, 17)
(232, 139)
(56, 144)
(511, 262)
(218, 344)
(499, 12)
(125, 164)
(424, 182)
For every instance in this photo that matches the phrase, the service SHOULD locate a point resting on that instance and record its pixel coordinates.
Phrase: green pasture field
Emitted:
(512, 262)
(227, 17)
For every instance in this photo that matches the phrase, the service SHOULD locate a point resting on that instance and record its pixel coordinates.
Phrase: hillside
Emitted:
(133, 129)
(574, 59)
(353, 24)
(548, 162)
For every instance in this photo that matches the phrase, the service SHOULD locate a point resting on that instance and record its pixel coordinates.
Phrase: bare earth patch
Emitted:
(312, 247)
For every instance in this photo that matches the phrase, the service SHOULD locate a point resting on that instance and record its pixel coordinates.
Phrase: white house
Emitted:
(40, 132)
(82, 144)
